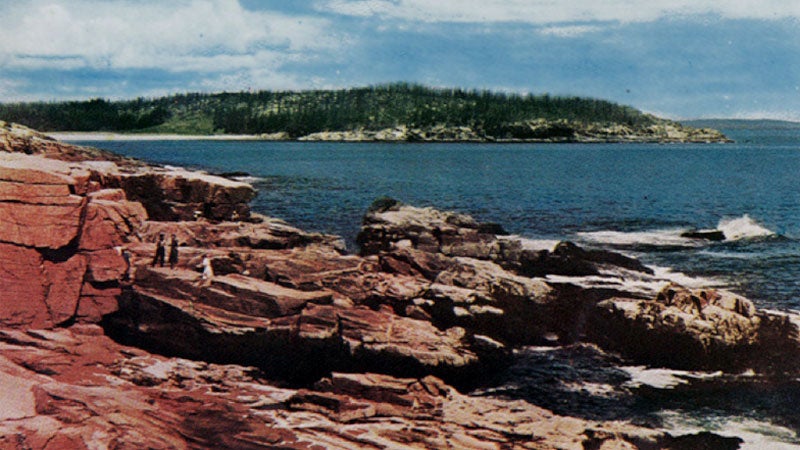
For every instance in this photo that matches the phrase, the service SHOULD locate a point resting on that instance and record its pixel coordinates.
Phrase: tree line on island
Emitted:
(299, 113)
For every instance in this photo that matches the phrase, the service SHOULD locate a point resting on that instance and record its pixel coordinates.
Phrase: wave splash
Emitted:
(734, 229)
(743, 227)
(656, 238)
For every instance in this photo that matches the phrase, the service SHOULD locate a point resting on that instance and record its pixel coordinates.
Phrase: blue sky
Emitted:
(674, 58)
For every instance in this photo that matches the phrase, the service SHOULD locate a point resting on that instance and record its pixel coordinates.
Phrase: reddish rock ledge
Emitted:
(292, 344)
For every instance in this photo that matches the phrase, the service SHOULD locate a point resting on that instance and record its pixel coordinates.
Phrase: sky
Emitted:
(679, 59)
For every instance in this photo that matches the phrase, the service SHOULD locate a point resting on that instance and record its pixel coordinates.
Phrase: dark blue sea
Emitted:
(634, 198)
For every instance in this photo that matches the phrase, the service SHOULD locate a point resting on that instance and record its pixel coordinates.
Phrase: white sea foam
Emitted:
(734, 229)
(728, 254)
(657, 378)
(637, 282)
(538, 349)
(743, 227)
(662, 378)
(532, 244)
(609, 281)
(757, 434)
(248, 179)
(693, 282)
(660, 238)
(621, 280)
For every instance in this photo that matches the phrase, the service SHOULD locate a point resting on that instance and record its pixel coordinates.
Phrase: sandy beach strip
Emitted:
(100, 136)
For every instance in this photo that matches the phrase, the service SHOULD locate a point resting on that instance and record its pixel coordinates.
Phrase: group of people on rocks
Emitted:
(161, 254)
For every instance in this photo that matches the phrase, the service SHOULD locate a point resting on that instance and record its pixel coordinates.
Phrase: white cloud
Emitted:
(555, 11)
(202, 35)
(9, 87)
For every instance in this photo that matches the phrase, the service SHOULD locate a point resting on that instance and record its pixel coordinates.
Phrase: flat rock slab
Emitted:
(276, 299)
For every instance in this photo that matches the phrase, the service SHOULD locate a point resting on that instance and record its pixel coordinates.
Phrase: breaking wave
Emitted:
(734, 229)
(638, 283)
(248, 179)
(743, 227)
(655, 238)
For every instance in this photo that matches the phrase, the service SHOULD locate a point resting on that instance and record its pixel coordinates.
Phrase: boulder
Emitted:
(681, 328)
(64, 282)
(412, 262)
(392, 228)
(505, 306)
(109, 219)
(509, 300)
(389, 225)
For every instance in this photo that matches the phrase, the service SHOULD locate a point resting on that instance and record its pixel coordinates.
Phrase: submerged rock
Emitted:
(709, 235)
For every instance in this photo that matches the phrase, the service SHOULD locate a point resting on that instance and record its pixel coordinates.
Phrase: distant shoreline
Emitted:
(456, 136)
(103, 136)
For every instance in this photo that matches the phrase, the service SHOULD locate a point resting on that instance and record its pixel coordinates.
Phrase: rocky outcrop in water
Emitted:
(292, 343)
(540, 130)
(699, 329)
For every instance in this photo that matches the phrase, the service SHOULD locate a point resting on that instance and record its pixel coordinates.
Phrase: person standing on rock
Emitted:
(173, 252)
(160, 251)
(208, 271)
(128, 257)
(437, 234)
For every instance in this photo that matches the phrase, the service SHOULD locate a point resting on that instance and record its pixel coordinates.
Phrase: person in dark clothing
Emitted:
(160, 251)
(173, 252)
(437, 234)
(126, 255)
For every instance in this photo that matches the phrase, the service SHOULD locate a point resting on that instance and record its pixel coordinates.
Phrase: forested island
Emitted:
(392, 112)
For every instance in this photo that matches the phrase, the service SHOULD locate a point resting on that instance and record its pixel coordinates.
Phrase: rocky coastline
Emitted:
(534, 131)
(296, 344)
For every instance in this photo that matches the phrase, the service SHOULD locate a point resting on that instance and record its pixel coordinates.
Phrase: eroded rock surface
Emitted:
(76, 389)
(292, 343)
(60, 237)
(699, 329)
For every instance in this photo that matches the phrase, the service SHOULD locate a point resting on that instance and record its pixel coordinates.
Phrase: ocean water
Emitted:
(634, 198)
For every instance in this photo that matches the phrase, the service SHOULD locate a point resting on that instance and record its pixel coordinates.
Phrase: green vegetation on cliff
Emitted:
(304, 112)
